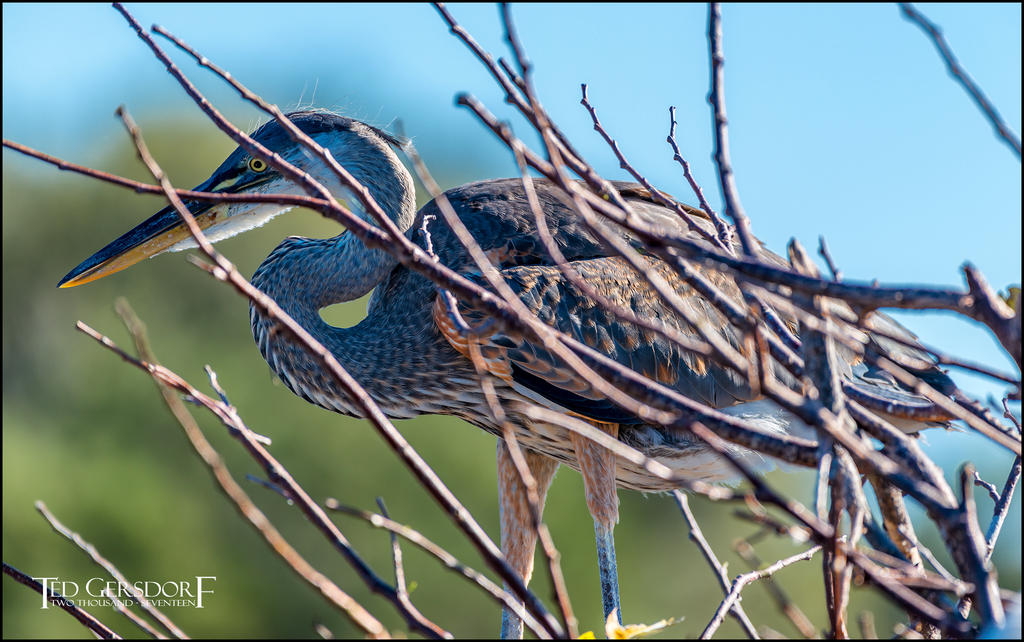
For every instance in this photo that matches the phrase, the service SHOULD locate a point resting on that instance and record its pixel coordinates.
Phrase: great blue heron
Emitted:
(413, 361)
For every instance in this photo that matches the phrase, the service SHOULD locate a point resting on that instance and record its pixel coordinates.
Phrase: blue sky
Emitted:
(843, 120)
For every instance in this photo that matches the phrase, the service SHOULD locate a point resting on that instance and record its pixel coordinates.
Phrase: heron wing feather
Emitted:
(561, 304)
(500, 219)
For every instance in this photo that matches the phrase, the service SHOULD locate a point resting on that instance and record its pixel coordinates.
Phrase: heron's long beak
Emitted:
(159, 232)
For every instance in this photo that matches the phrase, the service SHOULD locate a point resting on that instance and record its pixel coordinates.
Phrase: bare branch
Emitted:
(99, 629)
(143, 188)
(744, 548)
(725, 232)
(662, 198)
(743, 580)
(447, 559)
(164, 378)
(825, 254)
(1002, 507)
(113, 571)
(726, 179)
(933, 31)
(697, 536)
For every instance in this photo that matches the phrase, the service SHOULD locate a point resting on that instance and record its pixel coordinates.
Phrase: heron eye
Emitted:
(257, 165)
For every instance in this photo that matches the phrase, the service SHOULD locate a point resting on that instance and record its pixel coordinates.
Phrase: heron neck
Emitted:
(303, 276)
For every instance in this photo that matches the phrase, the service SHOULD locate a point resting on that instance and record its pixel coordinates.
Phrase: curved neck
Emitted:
(305, 275)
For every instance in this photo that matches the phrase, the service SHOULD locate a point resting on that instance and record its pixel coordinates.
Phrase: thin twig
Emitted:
(825, 254)
(291, 200)
(99, 629)
(111, 570)
(716, 97)
(697, 536)
(896, 519)
(1002, 508)
(928, 556)
(991, 488)
(956, 70)
(401, 590)
(744, 548)
(725, 231)
(130, 615)
(972, 560)
(450, 562)
(741, 582)
(662, 198)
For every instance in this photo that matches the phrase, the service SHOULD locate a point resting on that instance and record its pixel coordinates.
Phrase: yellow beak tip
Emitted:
(137, 252)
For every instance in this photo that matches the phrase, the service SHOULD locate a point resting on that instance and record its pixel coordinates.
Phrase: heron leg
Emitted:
(597, 466)
(518, 537)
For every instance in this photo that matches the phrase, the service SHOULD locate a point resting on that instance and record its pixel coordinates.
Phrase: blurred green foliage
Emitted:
(90, 436)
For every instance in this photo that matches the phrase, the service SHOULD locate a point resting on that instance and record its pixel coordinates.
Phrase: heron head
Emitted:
(363, 150)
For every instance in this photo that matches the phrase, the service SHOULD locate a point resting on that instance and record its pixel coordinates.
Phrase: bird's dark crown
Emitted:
(318, 121)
